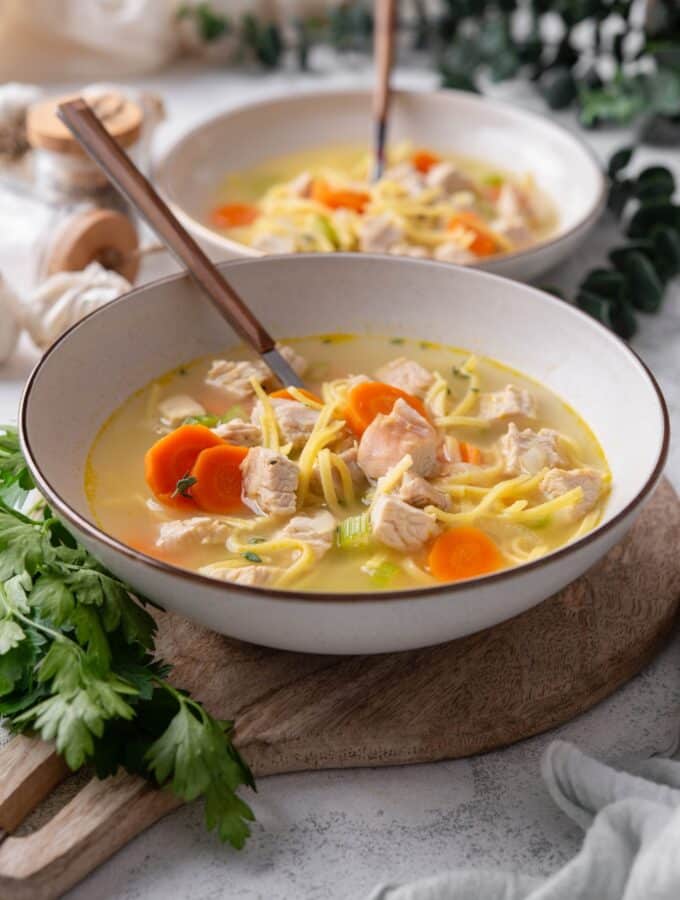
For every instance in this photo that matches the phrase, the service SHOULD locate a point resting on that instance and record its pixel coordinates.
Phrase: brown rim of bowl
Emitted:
(207, 233)
(92, 531)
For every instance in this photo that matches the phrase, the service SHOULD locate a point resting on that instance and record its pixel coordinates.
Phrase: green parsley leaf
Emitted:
(252, 557)
(183, 485)
(11, 635)
(77, 665)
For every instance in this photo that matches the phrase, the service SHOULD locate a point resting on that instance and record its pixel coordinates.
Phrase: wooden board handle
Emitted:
(100, 819)
(29, 770)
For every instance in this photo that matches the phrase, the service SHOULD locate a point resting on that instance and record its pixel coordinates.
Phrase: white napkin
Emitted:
(631, 850)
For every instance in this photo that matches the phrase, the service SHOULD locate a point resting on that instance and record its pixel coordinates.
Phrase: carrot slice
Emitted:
(469, 453)
(464, 552)
(172, 458)
(234, 215)
(285, 394)
(483, 243)
(368, 399)
(217, 471)
(424, 160)
(335, 198)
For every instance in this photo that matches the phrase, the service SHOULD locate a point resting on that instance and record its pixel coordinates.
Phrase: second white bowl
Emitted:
(448, 121)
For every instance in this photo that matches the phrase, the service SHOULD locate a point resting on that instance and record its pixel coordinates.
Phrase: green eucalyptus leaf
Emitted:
(558, 87)
(618, 256)
(663, 92)
(620, 192)
(645, 286)
(618, 102)
(666, 255)
(619, 160)
(654, 184)
(652, 215)
(605, 282)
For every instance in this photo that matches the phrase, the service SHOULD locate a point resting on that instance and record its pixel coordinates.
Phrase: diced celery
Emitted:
(354, 532)
(384, 573)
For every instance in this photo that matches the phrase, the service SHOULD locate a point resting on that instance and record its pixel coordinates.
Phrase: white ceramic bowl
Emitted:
(95, 366)
(503, 135)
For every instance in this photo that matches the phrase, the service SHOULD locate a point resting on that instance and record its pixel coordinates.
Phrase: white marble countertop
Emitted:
(336, 834)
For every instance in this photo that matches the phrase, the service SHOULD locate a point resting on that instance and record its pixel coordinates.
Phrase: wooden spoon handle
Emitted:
(100, 819)
(29, 770)
(103, 149)
(383, 50)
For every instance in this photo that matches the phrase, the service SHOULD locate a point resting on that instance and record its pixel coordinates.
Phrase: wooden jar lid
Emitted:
(121, 117)
(96, 235)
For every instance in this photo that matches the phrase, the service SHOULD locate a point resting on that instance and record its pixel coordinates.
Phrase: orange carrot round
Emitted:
(483, 243)
(172, 458)
(464, 552)
(368, 399)
(469, 453)
(285, 394)
(217, 471)
(234, 215)
(336, 198)
(424, 160)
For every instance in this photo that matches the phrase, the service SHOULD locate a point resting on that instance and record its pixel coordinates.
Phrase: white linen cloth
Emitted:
(631, 849)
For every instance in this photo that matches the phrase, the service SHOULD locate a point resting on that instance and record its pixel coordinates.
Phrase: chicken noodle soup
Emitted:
(402, 464)
(426, 205)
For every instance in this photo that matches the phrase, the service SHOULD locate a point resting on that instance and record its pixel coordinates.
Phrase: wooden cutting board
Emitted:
(297, 712)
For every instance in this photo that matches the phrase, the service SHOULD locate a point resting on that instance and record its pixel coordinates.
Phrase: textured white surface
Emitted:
(327, 835)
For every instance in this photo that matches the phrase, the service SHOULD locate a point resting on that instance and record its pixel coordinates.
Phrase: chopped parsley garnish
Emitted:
(459, 373)
(257, 540)
(184, 484)
(252, 557)
(396, 340)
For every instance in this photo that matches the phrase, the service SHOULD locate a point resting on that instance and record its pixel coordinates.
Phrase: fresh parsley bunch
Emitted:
(77, 665)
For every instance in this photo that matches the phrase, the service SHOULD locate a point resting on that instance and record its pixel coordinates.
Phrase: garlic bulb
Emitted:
(15, 99)
(66, 297)
(9, 322)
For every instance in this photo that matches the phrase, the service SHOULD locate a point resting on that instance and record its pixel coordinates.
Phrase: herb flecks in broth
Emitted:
(403, 464)
(427, 205)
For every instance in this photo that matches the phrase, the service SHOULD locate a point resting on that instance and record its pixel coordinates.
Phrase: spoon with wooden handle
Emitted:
(122, 172)
(383, 50)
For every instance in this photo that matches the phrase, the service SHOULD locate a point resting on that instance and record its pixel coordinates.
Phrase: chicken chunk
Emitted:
(511, 203)
(448, 179)
(389, 438)
(236, 431)
(417, 491)
(400, 526)
(511, 401)
(174, 410)
(527, 451)
(181, 534)
(559, 481)
(317, 530)
(274, 243)
(232, 377)
(415, 251)
(379, 233)
(407, 375)
(270, 481)
(514, 230)
(407, 176)
(257, 575)
(454, 253)
(297, 362)
(301, 185)
(295, 420)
